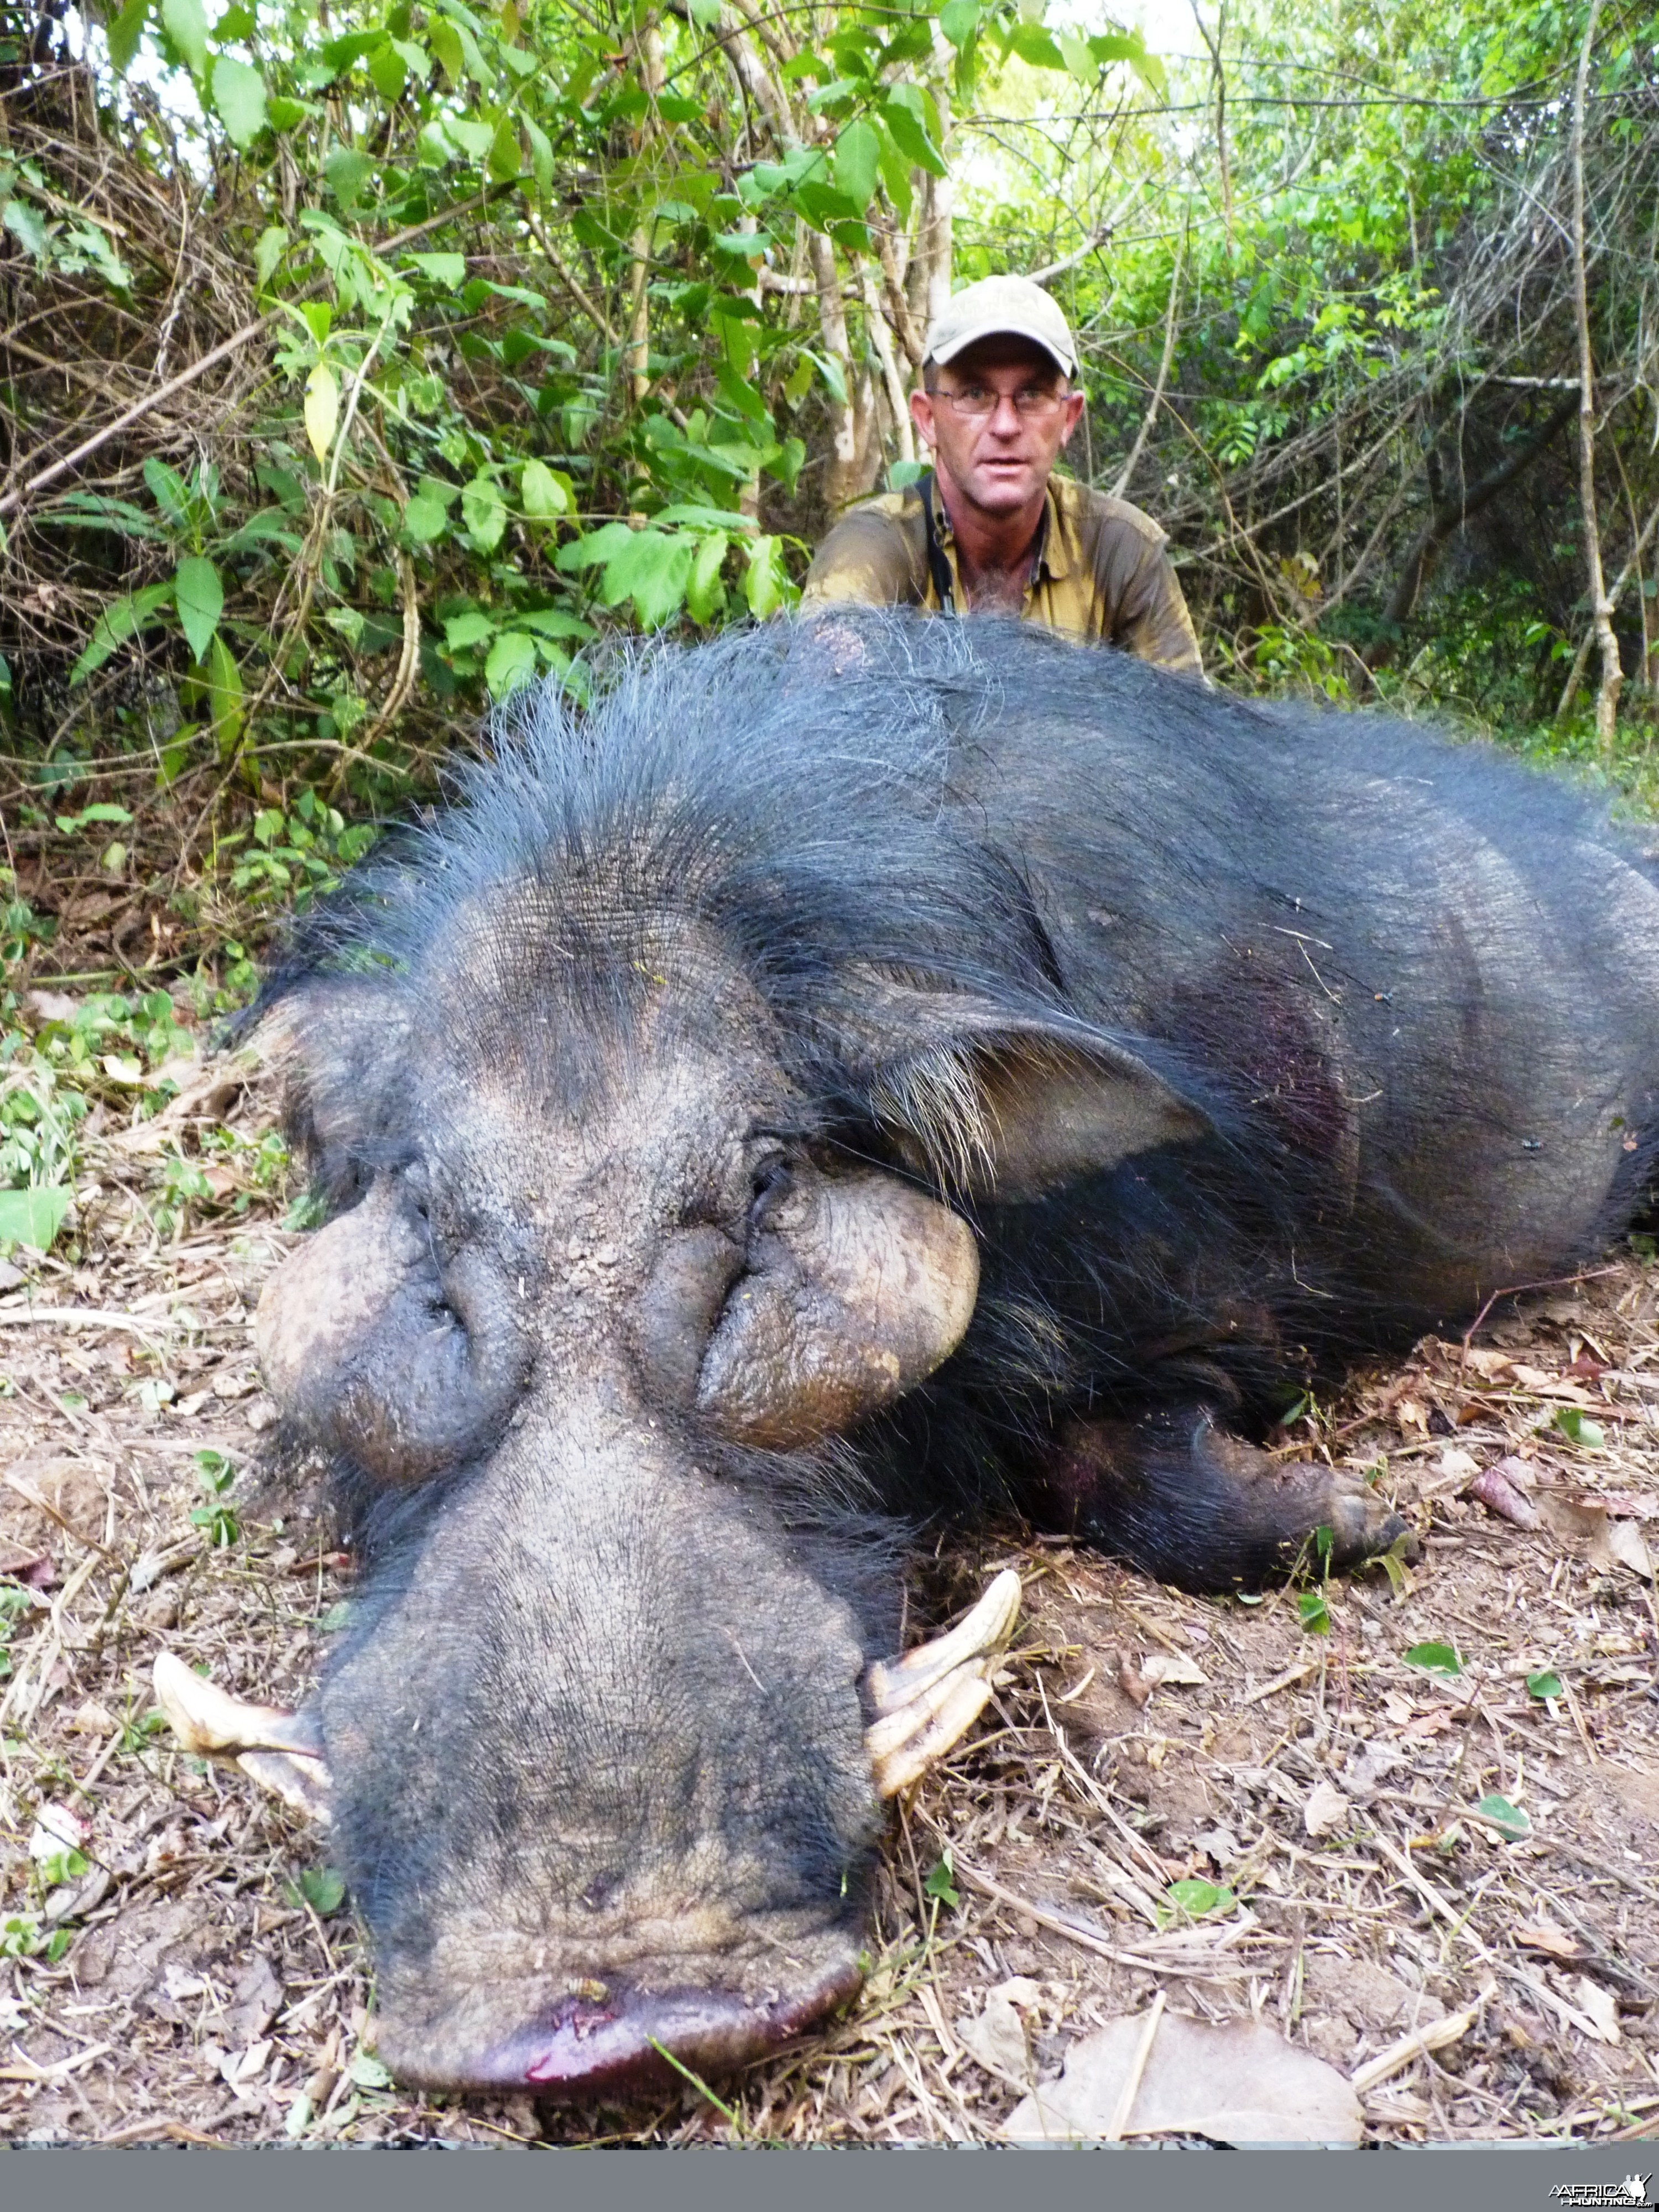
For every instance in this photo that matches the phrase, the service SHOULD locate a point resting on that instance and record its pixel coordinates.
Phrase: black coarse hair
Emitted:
(869, 811)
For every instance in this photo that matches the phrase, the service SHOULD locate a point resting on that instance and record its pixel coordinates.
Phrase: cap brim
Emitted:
(946, 354)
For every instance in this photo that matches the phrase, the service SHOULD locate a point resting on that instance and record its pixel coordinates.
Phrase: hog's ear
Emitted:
(858, 1287)
(1008, 1110)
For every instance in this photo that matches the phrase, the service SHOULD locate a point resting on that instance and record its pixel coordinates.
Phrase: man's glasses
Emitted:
(1031, 403)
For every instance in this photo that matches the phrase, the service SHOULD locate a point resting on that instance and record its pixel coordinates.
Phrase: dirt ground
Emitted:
(210, 1985)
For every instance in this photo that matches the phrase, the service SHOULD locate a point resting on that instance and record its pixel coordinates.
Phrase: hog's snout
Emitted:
(608, 2039)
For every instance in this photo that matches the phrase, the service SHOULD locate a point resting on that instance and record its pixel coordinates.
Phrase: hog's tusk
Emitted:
(927, 1700)
(278, 1750)
(295, 1777)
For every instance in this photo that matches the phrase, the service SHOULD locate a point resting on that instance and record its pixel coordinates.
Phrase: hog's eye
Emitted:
(771, 1184)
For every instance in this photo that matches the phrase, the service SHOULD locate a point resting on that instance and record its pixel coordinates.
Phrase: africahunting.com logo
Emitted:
(1633, 2189)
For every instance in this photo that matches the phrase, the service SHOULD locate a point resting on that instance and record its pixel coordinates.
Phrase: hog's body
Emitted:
(877, 1070)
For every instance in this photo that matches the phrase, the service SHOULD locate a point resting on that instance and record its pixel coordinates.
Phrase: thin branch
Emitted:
(1121, 487)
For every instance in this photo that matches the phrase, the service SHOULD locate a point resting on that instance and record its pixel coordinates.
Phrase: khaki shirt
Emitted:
(1101, 571)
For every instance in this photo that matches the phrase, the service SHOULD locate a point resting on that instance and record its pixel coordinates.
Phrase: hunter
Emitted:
(990, 528)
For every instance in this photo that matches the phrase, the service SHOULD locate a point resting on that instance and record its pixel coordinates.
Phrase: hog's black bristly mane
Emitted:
(796, 795)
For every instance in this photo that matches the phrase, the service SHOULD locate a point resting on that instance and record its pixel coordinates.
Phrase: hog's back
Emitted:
(1424, 976)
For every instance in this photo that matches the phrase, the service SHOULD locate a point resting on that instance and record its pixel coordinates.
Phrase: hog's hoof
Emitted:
(1363, 1526)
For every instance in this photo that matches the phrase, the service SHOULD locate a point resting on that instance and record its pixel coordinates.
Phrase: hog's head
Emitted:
(631, 1241)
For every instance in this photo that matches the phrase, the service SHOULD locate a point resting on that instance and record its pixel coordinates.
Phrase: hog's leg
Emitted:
(1190, 1504)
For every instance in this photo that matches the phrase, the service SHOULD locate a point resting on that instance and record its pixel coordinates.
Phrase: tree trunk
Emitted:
(1606, 696)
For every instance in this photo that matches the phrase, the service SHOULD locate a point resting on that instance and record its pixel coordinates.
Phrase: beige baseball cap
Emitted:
(997, 307)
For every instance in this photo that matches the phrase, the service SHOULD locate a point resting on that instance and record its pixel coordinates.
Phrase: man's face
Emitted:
(997, 422)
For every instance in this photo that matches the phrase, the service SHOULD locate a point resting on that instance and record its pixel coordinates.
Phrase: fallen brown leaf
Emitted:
(1544, 1936)
(1235, 2083)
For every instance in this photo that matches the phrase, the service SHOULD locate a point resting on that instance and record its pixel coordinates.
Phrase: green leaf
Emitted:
(425, 519)
(1546, 1683)
(1508, 1820)
(592, 547)
(169, 491)
(959, 20)
(200, 598)
(323, 1889)
(31, 1217)
(541, 154)
(704, 13)
(445, 41)
(546, 497)
(903, 116)
(939, 1881)
(388, 72)
(652, 569)
(765, 580)
(322, 409)
(1036, 46)
(857, 163)
(504, 157)
(102, 810)
(27, 225)
(120, 620)
(484, 512)
(463, 631)
(1200, 1897)
(703, 594)
(1574, 1426)
(447, 270)
(238, 93)
(366, 2071)
(186, 26)
(1316, 1614)
(124, 31)
(830, 370)
(512, 662)
(1435, 1659)
(551, 622)
(346, 172)
(224, 696)
(273, 244)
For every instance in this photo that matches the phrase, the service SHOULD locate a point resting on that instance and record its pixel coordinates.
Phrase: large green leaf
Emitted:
(124, 33)
(121, 619)
(27, 225)
(484, 512)
(200, 598)
(238, 93)
(31, 1217)
(959, 20)
(704, 595)
(766, 580)
(186, 26)
(546, 496)
(592, 547)
(512, 663)
(225, 696)
(652, 569)
(858, 163)
(906, 118)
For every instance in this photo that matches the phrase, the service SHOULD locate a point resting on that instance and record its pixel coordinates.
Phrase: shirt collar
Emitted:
(1055, 555)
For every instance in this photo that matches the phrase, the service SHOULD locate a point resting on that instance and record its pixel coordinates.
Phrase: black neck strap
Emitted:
(938, 567)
